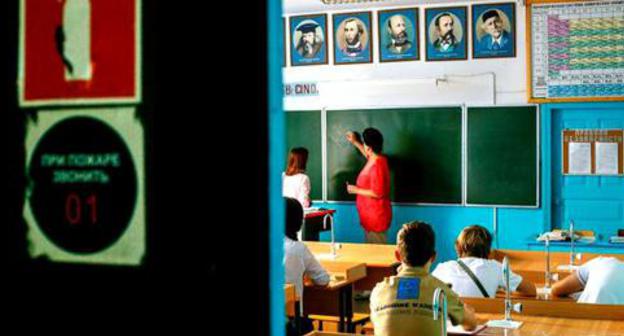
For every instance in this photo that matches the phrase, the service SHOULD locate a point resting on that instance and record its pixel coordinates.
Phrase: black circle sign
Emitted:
(83, 185)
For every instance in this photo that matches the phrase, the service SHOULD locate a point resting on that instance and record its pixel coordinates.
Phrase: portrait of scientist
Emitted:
(444, 27)
(397, 32)
(495, 36)
(354, 37)
(310, 41)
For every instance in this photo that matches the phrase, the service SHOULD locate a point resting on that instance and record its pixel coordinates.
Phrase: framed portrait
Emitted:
(398, 35)
(446, 34)
(494, 30)
(308, 34)
(353, 42)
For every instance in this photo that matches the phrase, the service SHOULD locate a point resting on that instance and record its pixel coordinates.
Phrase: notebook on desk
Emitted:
(459, 330)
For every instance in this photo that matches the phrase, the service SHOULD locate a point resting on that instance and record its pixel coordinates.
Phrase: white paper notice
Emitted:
(606, 158)
(579, 158)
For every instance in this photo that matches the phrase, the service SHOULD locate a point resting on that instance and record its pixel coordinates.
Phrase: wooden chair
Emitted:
(359, 319)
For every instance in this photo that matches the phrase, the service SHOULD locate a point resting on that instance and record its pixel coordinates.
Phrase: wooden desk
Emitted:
(335, 299)
(541, 326)
(379, 259)
(531, 265)
(549, 326)
(550, 308)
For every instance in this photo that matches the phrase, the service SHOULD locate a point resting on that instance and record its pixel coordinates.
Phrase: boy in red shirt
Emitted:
(372, 186)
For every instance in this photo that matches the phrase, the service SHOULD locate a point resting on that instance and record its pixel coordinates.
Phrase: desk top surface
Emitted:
(342, 273)
(559, 308)
(580, 244)
(373, 255)
(536, 260)
(318, 213)
(553, 326)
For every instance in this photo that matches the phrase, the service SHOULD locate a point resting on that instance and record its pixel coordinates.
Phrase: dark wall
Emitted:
(203, 166)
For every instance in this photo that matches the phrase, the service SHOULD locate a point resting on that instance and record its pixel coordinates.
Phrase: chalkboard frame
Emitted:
(537, 159)
(388, 107)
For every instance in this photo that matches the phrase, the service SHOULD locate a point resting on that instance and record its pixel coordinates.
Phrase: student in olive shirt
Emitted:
(401, 305)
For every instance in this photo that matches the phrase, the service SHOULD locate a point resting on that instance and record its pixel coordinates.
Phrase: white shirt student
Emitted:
(298, 260)
(473, 247)
(298, 187)
(599, 279)
(488, 271)
(295, 183)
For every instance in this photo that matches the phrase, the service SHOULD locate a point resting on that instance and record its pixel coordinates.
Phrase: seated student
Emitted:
(473, 274)
(298, 260)
(401, 305)
(600, 279)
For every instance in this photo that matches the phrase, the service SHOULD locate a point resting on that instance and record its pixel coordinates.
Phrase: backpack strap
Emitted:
(473, 277)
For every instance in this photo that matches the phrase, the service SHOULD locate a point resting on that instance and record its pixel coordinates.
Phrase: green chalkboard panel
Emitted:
(502, 164)
(423, 146)
(303, 129)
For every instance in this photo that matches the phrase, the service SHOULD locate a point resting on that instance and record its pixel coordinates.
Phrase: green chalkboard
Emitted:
(423, 146)
(502, 164)
(303, 129)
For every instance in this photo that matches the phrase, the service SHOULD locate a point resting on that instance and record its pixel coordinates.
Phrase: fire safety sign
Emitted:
(79, 52)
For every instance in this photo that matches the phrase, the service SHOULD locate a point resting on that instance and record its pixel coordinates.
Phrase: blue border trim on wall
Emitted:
(277, 140)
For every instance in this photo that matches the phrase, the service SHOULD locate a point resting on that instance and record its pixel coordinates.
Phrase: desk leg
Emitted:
(341, 309)
(297, 318)
(349, 308)
(345, 309)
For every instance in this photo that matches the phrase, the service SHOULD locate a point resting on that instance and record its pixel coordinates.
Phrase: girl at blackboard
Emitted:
(372, 188)
(295, 183)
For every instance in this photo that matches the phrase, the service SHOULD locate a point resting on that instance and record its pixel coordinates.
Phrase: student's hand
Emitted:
(470, 318)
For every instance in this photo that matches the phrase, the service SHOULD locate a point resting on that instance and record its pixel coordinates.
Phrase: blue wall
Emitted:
(595, 203)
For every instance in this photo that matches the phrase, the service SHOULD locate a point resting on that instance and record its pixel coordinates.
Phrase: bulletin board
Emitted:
(576, 51)
(593, 152)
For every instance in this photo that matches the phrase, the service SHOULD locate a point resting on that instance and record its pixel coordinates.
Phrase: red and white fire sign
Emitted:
(79, 52)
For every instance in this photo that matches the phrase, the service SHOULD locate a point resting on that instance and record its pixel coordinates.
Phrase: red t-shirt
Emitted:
(375, 213)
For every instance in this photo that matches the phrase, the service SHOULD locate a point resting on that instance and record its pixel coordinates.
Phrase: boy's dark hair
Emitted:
(294, 217)
(373, 139)
(416, 243)
(474, 241)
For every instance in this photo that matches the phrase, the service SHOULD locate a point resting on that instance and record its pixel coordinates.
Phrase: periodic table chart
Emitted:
(577, 51)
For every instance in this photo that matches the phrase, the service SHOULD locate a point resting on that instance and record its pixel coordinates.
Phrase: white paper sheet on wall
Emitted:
(606, 158)
(579, 158)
